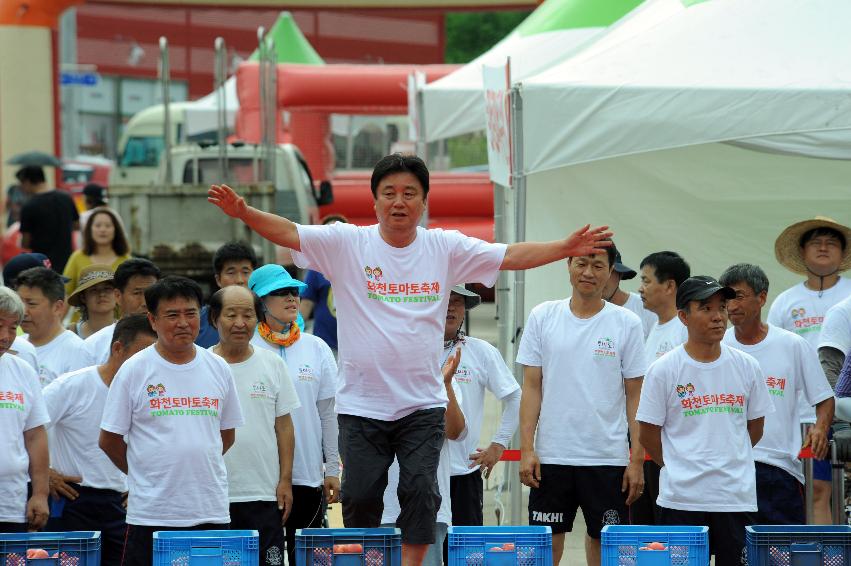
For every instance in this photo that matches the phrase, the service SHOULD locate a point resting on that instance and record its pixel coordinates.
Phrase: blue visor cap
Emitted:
(272, 277)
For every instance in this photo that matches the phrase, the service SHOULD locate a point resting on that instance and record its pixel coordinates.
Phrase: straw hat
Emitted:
(90, 276)
(788, 250)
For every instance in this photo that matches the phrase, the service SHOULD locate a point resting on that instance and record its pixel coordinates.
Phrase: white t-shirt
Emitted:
(313, 372)
(791, 368)
(97, 345)
(636, 305)
(836, 330)
(172, 415)
(75, 403)
(391, 310)
(21, 409)
(802, 311)
(703, 409)
(22, 348)
(663, 338)
(63, 354)
(584, 362)
(265, 392)
(481, 368)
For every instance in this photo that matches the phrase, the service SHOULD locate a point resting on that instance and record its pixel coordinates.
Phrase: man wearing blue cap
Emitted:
(314, 373)
(391, 286)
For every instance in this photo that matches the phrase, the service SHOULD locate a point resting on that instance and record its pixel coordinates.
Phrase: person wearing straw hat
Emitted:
(613, 293)
(95, 297)
(481, 369)
(817, 249)
(314, 373)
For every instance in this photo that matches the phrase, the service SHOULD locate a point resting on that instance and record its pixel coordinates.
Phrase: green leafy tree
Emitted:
(469, 34)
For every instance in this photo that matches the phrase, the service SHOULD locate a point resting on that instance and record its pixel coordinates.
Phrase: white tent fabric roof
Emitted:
(454, 105)
(675, 73)
(201, 114)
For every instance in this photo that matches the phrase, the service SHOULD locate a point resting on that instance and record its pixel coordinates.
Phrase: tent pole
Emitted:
(518, 183)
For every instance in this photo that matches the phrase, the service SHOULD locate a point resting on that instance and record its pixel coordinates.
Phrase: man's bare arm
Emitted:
(274, 228)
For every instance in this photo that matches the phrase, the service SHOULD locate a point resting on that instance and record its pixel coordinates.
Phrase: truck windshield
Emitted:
(240, 170)
(142, 151)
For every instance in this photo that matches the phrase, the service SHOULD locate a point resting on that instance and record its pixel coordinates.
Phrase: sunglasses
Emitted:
(287, 292)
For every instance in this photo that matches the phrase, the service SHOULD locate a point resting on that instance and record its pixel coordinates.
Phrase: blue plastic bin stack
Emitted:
(627, 545)
(207, 548)
(74, 548)
(378, 547)
(798, 545)
(500, 546)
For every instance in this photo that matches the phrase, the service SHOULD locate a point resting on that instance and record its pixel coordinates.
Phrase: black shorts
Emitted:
(726, 531)
(367, 447)
(95, 510)
(564, 489)
(267, 520)
(779, 496)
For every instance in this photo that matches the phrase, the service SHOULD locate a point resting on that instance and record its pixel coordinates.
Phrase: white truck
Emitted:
(174, 225)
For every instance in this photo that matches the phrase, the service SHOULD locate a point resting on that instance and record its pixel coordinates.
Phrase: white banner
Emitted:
(497, 84)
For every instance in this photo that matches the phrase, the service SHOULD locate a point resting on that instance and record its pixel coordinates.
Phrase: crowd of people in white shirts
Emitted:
(134, 429)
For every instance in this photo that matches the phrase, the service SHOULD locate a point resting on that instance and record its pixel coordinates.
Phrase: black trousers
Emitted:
(265, 518)
(368, 447)
(308, 511)
(726, 531)
(95, 510)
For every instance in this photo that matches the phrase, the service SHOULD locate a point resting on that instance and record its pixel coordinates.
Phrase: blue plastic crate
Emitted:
(799, 545)
(206, 548)
(685, 546)
(477, 546)
(75, 548)
(380, 547)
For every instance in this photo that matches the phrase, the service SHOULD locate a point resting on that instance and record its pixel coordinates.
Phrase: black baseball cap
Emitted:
(700, 287)
(626, 272)
(22, 262)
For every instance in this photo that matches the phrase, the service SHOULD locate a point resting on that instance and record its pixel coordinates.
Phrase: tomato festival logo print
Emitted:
(379, 289)
(605, 348)
(803, 323)
(306, 373)
(13, 400)
(694, 403)
(162, 406)
(259, 390)
(776, 385)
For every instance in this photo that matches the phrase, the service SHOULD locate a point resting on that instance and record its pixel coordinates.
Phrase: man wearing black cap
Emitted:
(47, 219)
(701, 412)
(613, 293)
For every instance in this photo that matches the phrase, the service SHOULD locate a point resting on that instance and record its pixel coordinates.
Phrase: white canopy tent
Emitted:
(453, 105)
(701, 127)
(201, 115)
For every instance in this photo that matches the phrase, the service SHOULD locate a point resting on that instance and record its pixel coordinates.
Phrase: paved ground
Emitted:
(497, 498)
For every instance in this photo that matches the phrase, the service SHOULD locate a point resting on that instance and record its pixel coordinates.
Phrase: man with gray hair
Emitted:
(791, 368)
(22, 419)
